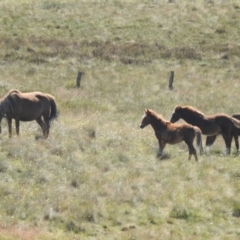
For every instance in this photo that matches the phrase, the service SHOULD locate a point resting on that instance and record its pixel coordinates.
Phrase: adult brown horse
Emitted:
(28, 107)
(235, 132)
(167, 132)
(210, 125)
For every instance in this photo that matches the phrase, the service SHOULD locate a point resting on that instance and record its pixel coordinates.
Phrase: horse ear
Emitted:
(178, 107)
(146, 110)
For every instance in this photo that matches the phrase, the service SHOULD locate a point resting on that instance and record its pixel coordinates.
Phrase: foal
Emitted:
(167, 132)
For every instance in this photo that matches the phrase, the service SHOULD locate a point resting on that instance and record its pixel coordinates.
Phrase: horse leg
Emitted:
(227, 139)
(210, 140)
(17, 122)
(191, 149)
(47, 127)
(42, 125)
(236, 141)
(162, 145)
(9, 121)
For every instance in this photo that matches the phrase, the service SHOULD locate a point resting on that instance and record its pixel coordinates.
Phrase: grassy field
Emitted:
(98, 176)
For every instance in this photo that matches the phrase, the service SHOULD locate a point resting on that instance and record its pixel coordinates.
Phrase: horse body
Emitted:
(210, 125)
(207, 126)
(169, 133)
(28, 107)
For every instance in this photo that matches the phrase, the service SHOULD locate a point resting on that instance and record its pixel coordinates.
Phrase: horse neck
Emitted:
(157, 123)
(190, 118)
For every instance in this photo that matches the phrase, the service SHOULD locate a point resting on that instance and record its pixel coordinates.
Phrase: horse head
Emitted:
(146, 118)
(176, 114)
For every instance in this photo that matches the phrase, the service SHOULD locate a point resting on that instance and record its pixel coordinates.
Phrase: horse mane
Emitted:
(193, 110)
(9, 94)
(5, 102)
(157, 116)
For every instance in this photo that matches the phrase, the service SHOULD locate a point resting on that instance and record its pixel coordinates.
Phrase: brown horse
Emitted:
(210, 125)
(167, 132)
(28, 107)
(235, 132)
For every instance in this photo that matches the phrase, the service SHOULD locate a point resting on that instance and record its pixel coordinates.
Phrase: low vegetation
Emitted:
(98, 175)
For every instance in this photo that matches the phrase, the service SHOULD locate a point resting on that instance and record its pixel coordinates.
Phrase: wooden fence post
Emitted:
(79, 76)
(171, 78)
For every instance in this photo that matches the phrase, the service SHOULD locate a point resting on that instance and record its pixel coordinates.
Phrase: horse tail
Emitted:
(235, 121)
(198, 134)
(54, 111)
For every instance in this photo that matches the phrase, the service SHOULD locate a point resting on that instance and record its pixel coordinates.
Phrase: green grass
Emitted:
(98, 175)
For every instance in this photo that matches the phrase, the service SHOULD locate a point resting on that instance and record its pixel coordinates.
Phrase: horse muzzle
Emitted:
(141, 126)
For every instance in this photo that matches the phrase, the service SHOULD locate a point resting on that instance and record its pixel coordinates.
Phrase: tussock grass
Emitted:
(98, 175)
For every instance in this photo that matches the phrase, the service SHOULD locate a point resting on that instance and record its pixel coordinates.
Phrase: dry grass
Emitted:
(98, 176)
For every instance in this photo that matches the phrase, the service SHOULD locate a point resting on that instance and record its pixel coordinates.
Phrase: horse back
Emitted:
(182, 130)
(223, 119)
(29, 98)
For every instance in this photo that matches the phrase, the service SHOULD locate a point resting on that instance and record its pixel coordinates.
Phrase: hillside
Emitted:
(98, 175)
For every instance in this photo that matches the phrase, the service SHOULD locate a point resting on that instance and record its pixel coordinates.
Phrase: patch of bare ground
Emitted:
(25, 233)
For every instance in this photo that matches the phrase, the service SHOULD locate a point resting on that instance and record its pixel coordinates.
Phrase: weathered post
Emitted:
(171, 78)
(79, 77)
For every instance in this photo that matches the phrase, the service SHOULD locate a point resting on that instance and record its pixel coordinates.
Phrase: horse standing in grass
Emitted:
(235, 132)
(28, 107)
(210, 125)
(167, 132)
